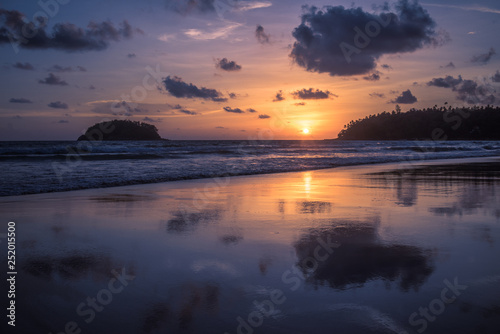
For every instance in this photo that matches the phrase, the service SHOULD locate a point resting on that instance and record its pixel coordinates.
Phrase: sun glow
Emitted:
(305, 131)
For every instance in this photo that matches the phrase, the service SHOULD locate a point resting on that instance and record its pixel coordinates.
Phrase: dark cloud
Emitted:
(58, 105)
(178, 88)
(446, 82)
(263, 116)
(261, 36)
(251, 110)
(64, 36)
(21, 66)
(310, 94)
(91, 87)
(496, 77)
(232, 95)
(20, 100)
(175, 106)
(469, 91)
(483, 58)
(377, 95)
(62, 69)
(191, 6)
(63, 121)
(279, 96)
(53, 80)
(188, 112)
(233, 110)
(386, 67)
(345, 42)
(449, 65)
(220, 127)
(299, 104)
(375, 76)
(131, 55)
(151, 120)
(405, 98)
(227, 65)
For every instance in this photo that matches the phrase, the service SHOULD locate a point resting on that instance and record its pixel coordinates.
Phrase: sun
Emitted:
(305, 131)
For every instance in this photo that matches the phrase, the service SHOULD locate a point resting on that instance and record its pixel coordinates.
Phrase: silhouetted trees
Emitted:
(437, 123)
(121, 130)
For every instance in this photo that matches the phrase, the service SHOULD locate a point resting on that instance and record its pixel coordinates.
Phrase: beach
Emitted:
(408, 247)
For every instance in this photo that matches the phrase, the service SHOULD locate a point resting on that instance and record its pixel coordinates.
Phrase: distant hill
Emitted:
(444, 123)
(121, 130)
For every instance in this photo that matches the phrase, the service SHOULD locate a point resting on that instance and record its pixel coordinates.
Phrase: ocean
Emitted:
(31, 167)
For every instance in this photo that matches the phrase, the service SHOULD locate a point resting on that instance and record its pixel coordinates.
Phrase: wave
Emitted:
(49, 167)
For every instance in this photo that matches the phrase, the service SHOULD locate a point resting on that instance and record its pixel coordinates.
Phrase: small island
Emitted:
(437, 123)
(121, 130)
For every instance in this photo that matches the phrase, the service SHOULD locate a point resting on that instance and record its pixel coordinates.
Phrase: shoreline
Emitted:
(212, 248)
(358, 168)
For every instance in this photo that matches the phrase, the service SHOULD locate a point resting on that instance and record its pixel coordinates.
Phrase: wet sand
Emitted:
(390, 248)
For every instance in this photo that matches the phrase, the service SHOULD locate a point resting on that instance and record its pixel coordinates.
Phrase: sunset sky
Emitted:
(227, 69)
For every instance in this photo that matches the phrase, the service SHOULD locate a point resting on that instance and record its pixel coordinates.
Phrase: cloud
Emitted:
(166, 37)
(151, 120)
(310, 94)
(261, 36)
(264, 116)
(449, 65)
(469, 91)
(63, 121)
(221, 127)
(175, 106)
(483, 58)
(58, 105)
(405, 98)
(386, 66)
(235, 110)
(64, 36)
(299, 104)
(53, 80)
(227, 65)
(279, 96)
(20, 100)
(377, 95)
(131, 55)
(476, 8)
(496, 77)
(375, 76)
(446, 82)
(180, 89)
(251, 110)
(346, 42)
(62, 69)
(221, 32)
(210, 6)
(188, 112)
(21, 66)
(91, 87)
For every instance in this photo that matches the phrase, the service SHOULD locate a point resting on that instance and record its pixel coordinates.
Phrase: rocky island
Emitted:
(121, 130)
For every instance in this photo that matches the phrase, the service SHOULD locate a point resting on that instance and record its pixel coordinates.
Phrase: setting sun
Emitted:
(305, 131)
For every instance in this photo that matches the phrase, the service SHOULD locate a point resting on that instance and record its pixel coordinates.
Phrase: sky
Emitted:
(239, 69)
